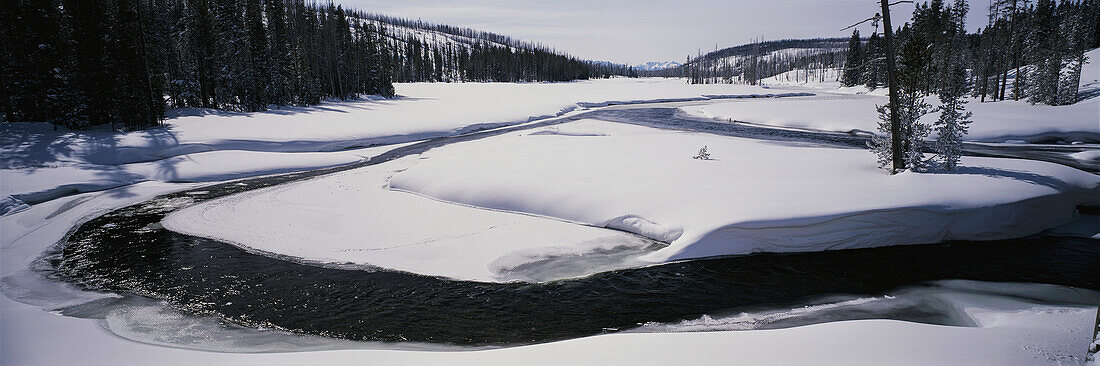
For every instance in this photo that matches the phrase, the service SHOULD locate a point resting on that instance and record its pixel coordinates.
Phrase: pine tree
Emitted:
(954, 119)
(1076, 34)
(278, 53)
(913, 68)
(853, 67)
(256, 70)
(138, 103)
(1044, 54)
(874, 73)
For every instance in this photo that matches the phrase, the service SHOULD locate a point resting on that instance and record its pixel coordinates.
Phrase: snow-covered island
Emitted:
(412, 193)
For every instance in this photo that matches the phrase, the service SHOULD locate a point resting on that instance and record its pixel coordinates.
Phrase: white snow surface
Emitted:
(1002, 121)
(753, 196)
(1006, 333)
(38, 163)
(991, 122)
(34, 185)
(421, 110)
(1009, 332)
(653, 160)
(352, 217)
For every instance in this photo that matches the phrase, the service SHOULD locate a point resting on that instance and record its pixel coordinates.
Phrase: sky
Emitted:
(637, 31)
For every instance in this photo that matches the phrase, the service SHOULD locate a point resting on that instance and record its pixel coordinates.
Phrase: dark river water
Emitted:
(126, 251)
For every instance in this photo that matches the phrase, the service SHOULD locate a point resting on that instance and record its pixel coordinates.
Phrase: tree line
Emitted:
(417, 57)
(758, 60)
(1026, 51)
(1043, 51)
(123, 63)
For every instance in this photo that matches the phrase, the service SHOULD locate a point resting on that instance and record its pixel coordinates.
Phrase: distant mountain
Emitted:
(656, 65)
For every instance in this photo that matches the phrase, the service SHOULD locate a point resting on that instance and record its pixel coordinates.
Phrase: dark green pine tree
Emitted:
(953, 122)
(874, 73)
(279, 68)
(256, 70)
(33, 48)
(853, 67)
(138, 103)
(88, 21)
(1043, 52)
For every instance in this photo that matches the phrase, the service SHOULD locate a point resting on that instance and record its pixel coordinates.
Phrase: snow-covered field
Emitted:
(497, 208)
(38, 163)
(751, 197)
(352, 217)
(1004, 121)
(991, 122)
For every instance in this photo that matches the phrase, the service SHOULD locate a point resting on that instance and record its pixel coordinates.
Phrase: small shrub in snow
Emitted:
(703, 154)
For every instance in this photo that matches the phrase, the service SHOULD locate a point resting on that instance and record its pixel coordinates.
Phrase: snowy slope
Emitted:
(657, 65)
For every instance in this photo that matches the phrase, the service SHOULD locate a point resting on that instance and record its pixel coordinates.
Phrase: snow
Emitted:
(351, 217)
(656, 65)
(1087, 155)
(991, 122)
(39, 164)
(25, 235)
(422, 110)
(503, 204)
(517, 207)
(1006, 332)
(1003, 121)
(44, 184)
(752, 196)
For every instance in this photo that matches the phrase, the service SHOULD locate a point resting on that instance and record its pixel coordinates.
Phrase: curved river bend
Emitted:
(126, 251)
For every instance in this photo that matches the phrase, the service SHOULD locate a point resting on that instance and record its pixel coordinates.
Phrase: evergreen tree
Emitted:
(256, 70)
(1044, 54)
(853, 67)
(138, 102)
(278, 53)
(874, 73)
(954, 119)
(913, 67)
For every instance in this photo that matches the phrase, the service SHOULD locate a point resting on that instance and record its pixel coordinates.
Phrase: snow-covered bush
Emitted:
(702, 154)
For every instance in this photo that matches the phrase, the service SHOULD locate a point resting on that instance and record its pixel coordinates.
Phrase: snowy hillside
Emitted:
(657, 65)
(751, 62)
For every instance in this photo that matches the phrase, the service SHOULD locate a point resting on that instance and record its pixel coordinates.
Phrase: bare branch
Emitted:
(861, 22)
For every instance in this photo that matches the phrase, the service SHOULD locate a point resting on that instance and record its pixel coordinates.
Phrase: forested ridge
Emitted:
(1029, 50)
(123, 63)
(757, 60)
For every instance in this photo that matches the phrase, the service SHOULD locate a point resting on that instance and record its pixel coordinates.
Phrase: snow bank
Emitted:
(20, 187)
(1007, 333)
(992, 122)
(752, 196)
(351, 217)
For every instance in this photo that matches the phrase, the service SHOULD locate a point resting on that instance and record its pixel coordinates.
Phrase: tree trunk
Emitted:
(895, 125)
